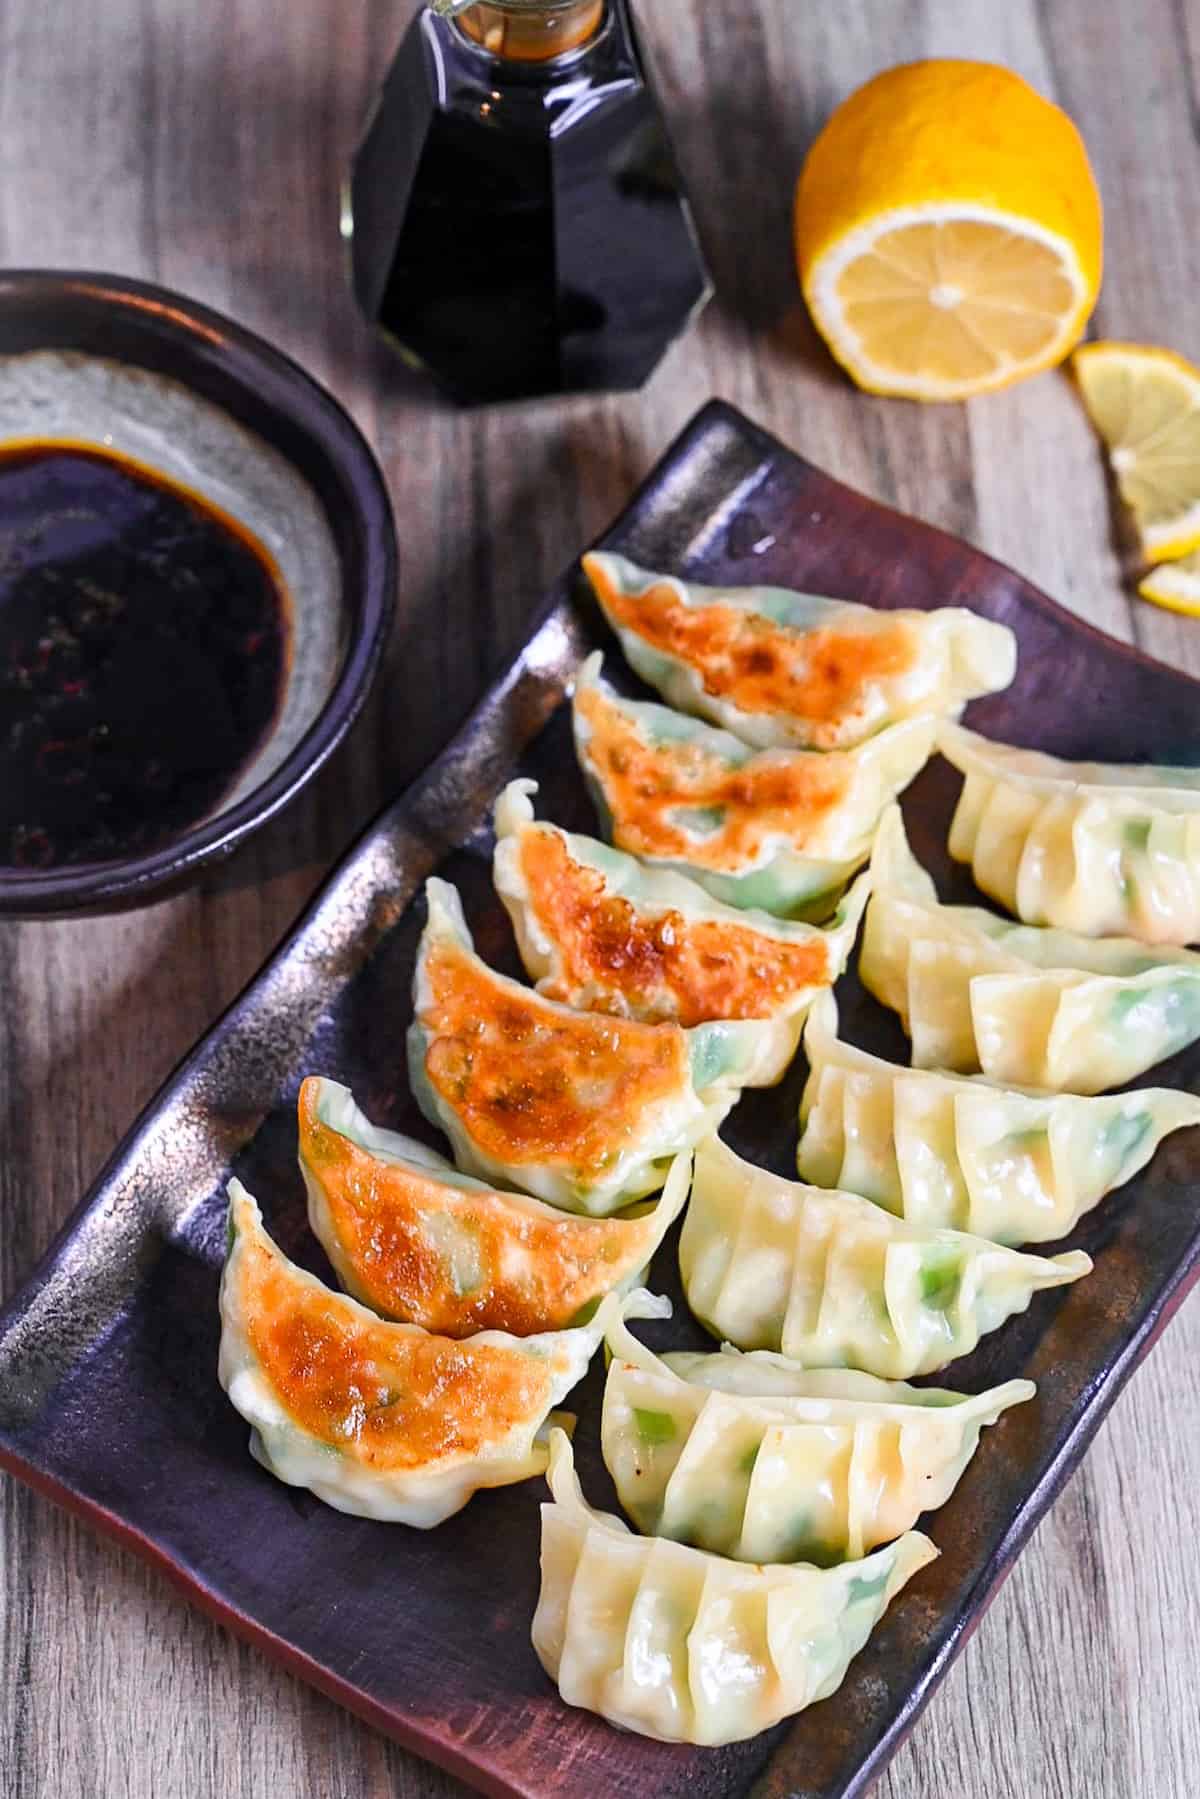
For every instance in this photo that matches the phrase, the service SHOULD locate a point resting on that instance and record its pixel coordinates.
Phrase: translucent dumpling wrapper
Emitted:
(602, 931)
(688, 1647)
(1103, 849)
(785, 670)
(782, 830)
(1027, 1006)
(585, 1111)
(413, 1238)
(832, 1280)
(959, 1150)
(383, 1420)
(755, 1457)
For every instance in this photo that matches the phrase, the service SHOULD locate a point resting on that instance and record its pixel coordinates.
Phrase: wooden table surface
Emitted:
(202, 146)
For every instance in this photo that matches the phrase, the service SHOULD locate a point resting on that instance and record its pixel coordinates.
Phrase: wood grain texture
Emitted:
(203, 147)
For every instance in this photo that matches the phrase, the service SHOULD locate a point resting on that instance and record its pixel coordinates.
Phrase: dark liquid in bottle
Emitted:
(144, 642)
(519, 228)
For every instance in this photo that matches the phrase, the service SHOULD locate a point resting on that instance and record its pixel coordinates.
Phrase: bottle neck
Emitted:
(531, 31)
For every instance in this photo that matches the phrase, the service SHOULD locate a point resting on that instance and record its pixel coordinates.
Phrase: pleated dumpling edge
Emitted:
(1029, 1006)
(782, 830)
(1101, 849)
(759, 1458)
(688, 1647)
(381, 1420)
(417, 1240)
(834, 1281)
(1013, 1164)
(599, 929)
(782, 669)
(581, 1109)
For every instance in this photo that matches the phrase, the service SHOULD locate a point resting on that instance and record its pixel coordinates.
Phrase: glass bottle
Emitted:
(516, 218)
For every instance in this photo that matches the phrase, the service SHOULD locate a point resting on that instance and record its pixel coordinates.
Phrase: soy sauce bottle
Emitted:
(516, 217)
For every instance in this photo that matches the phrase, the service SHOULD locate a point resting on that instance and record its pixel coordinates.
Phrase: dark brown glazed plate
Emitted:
(108, 1394)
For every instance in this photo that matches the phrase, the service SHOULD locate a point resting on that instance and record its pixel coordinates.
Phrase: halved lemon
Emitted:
(948, 231)
(1145, 403)
(1175, 585)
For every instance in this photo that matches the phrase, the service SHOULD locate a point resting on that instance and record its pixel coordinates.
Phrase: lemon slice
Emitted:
(1145, 403)
(950, 303)
(948, 231)
(1175, 585)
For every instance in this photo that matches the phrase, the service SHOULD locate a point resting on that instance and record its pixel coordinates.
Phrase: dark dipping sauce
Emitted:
(144, 642)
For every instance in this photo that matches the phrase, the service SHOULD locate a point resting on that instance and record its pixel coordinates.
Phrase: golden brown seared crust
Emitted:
(532, 1083)
(778, 792)
(536, 1273)
(672, 967)
(392, 1400)
(757, 665)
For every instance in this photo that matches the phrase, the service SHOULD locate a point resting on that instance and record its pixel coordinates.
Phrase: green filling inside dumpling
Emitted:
(1030, 1142)
(866, 1586)
(941, 1277)
(663, 728)
(1167, 1013)
(654, 1427)
(698, 821)
(805, 1544)
(1123, 1135)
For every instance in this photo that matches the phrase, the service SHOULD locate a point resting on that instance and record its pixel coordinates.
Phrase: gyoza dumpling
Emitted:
(600, 930)
(689, 1647)
(779, 829)
(756, 1457)
(382, 1420)
(585, 1111)
(952, 1149)
(1095, 847)
(833, 1281)
(413, 1238)
(1028, 1007)
(790, 670)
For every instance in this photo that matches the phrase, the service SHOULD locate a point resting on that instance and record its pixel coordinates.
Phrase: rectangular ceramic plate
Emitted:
(108, 1394)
